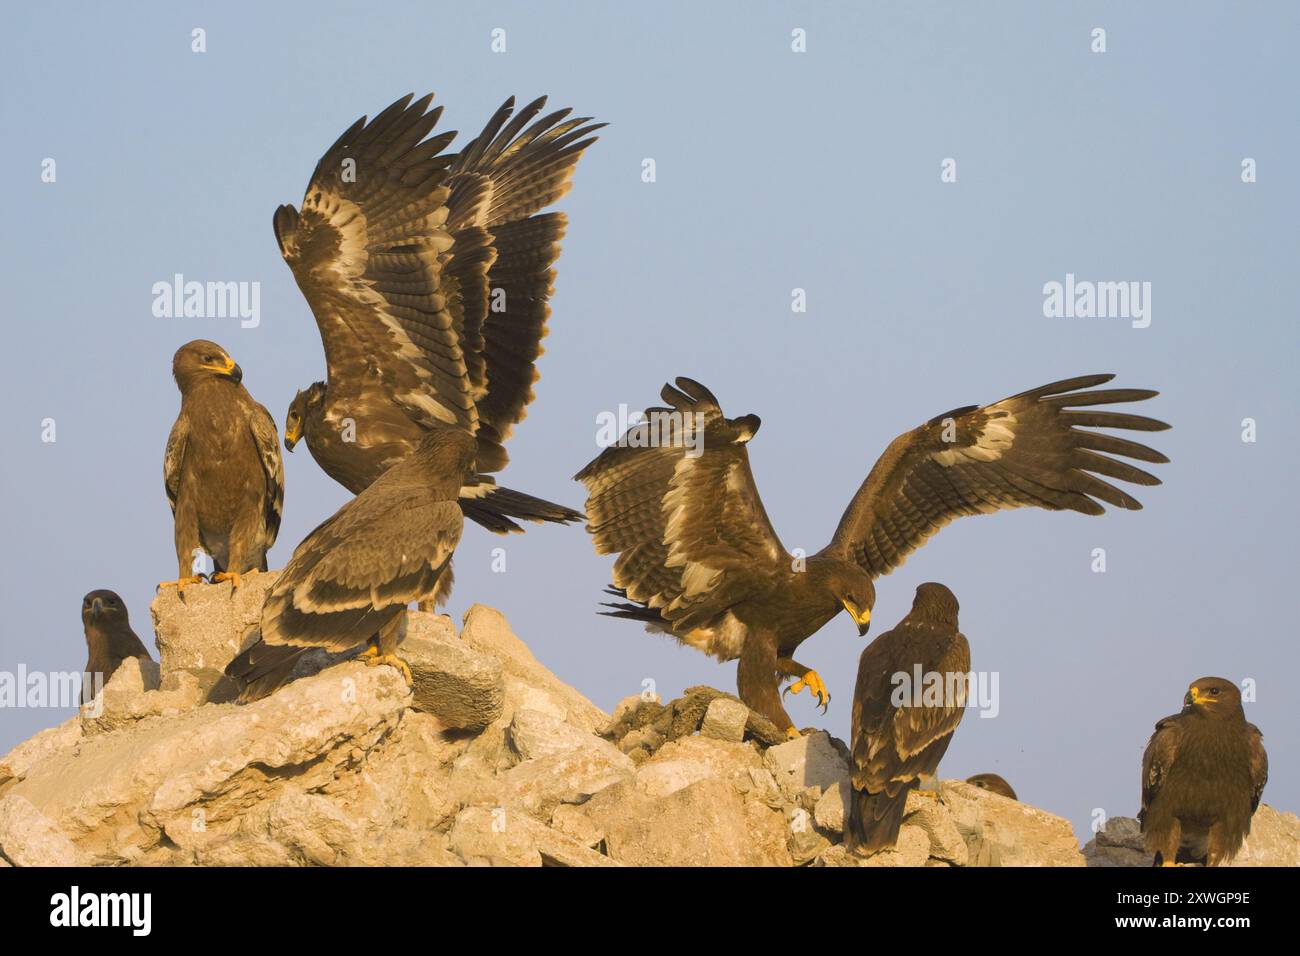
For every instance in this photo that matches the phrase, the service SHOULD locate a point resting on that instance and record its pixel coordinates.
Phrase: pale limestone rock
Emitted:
(932, 817)
(573, 822)
(498, 836)
(486, 630)
(837, 855)
(912, 849)
(1003, 832)
(704, 824)
(408, 775)
(47, 743)
(763, 789)
(808, 761)
(725, 719)
(29, 838)
(123, 790)
(460, 686)
(132, 694)
(536, 734)
(539, 786)
(833, 808)
(805, 843)
(687, 760)
(204, 630)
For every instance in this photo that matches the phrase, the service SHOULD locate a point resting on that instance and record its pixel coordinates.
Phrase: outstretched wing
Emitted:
(366, 250)
(676, 500)
(1029, 449)
(504, 255)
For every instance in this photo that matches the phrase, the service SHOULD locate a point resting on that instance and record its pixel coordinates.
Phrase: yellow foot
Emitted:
(233, 577)
(372, 658)
(180, 584)
(793, 733)
(813, 681)
(932, 794)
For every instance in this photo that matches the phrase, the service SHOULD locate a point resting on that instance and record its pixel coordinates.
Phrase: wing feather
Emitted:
(676, 499)
(367, 252)
(1026, 450)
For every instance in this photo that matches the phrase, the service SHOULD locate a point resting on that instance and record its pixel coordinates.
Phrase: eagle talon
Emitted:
(816, 686)
(234, 577)
(372, 658)
(180, 584)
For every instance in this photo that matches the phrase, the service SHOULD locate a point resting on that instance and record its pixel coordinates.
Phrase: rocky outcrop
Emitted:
(1274, 840)
(487, 759)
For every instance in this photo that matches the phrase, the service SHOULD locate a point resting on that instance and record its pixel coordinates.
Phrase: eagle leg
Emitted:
(1167, 843)
(384, 648)
(756, 680)
(806, 677)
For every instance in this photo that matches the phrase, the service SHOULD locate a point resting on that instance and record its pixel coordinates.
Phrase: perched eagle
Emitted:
(222, 468)
(109, 637)
(1203, 773)
(699, 558)
(901, 730)
(351, 579)
(429, 274)
(993, 784)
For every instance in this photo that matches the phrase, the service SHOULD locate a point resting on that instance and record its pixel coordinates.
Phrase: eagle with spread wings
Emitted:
(698, 557)
(429, 274)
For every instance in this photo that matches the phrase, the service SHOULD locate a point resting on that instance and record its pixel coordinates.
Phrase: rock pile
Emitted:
(488, 759)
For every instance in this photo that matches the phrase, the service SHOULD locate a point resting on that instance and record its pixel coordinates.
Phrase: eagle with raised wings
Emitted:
(698, 557)
(429, 275)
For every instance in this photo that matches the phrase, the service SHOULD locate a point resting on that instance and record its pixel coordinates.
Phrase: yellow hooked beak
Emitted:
(861, 616)
(1194, 696)
(291, 435)
(227, 368)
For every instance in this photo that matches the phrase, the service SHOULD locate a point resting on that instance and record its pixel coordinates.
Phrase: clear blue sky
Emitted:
(776, 170)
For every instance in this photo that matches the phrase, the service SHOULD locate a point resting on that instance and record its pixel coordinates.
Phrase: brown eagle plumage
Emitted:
(993, 783)
(109, 637)
(350, 581)
(1203, 773)
(897, 745)
(699, 559)
(222, 468)
(429, 275)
